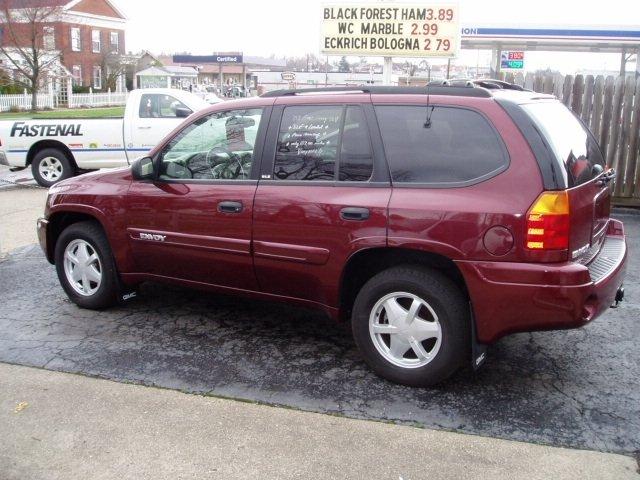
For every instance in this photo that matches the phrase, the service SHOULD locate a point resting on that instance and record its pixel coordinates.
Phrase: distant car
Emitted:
(211, 98)
(436, 219)
(235, 91)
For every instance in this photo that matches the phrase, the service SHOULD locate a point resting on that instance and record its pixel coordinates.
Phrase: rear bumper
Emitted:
(521, 297)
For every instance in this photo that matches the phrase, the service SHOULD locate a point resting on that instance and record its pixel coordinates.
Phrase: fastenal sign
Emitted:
(409, 30)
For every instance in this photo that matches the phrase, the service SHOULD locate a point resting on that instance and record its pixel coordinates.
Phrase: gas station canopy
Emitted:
(611, 39)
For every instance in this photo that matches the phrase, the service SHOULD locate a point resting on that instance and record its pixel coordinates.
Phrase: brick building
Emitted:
(88, 36)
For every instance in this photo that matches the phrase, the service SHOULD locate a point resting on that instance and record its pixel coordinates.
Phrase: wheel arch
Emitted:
(49, 143)
(58, 221)
(366, 263)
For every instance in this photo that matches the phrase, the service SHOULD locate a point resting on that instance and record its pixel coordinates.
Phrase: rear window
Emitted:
(439, 146)
(572, 143)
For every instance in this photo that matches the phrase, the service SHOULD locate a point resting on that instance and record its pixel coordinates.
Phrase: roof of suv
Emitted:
(481, 88)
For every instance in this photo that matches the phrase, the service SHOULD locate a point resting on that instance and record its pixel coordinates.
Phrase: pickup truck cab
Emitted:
(60, 148)
(436, 219)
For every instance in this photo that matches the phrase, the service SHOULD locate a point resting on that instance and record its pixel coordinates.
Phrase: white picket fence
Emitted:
(23, 101)
(97, 99)
(75, 100)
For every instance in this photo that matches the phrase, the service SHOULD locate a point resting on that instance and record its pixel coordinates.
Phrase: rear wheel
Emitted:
(50, 165)
(85, 266)
(412, 325)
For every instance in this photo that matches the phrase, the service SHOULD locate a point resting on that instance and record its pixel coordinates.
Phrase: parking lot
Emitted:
(574, 388)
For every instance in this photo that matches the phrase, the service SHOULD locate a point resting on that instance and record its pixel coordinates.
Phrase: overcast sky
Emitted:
(292, 27)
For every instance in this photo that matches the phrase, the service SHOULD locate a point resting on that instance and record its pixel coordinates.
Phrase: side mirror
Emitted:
(142, 169)
(183, 112)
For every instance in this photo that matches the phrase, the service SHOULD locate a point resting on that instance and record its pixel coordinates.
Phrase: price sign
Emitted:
(408, 30)
(512, 60)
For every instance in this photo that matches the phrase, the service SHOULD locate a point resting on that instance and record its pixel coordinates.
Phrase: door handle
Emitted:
(354, 213)
(146, 127)
(229, 207)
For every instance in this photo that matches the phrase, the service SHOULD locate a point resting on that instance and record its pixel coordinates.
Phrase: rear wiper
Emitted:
(607, 177)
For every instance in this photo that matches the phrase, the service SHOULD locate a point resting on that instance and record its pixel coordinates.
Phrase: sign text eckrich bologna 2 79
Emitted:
(408, 30)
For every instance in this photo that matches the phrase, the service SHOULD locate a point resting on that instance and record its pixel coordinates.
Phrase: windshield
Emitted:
(572, 143)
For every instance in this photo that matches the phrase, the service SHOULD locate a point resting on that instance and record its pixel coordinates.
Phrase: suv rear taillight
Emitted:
(548, 222)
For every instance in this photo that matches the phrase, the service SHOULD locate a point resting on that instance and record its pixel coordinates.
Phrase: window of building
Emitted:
(115, 42)
(76, 72)
(216, 147)
(76, 40)
(439, 145)
(49, 38)
(323, 142)
(97, 77)
(95, 41)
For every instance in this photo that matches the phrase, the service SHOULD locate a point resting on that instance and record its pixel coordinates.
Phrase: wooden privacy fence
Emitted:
(610, 107)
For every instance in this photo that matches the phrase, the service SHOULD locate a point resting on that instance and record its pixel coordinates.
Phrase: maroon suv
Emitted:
(437, 219)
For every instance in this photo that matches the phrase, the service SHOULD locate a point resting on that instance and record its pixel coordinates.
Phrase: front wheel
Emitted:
(412, 325)
(49, 166)
(85, 266)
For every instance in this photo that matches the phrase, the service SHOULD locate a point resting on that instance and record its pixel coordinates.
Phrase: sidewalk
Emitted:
(20, 207)
(75, 427)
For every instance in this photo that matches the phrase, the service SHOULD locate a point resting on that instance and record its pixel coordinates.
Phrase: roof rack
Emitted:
(453, 90)
(488, 83)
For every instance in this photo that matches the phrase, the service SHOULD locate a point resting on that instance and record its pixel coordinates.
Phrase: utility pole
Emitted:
(387, 70)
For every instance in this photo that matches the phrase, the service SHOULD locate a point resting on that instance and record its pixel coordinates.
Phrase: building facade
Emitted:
(87, 35)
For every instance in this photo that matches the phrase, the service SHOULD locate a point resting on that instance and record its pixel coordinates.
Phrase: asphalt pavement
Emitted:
(576, 388)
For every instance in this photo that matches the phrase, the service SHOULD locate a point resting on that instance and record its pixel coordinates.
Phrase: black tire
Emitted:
(106, 294)
(447, 301)
(66, 166)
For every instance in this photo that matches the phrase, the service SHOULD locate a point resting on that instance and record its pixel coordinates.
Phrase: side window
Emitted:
(323, 142)
(157, 105)
(218, 146)
(356, 159)
(439, 145)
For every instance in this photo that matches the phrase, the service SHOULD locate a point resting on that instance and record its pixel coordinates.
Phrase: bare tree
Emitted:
(24, 24)
(113, 67)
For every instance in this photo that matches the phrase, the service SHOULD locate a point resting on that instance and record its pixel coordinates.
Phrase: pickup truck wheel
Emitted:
(49, 166)
(411, 325)
(85, 266)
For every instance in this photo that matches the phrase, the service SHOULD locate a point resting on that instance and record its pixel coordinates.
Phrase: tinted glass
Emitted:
(320, 142)
(219, 146)
(356, 159)
(308, 143)
(571, 142)
(159, 106)
(439, 145)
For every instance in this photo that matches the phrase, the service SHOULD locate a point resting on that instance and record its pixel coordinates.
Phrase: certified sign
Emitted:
(394, 30)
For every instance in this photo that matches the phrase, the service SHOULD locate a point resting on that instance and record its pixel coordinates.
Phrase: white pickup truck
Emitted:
(59, 149)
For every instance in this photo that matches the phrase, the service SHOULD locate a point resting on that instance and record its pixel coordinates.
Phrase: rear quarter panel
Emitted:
(453, 221)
